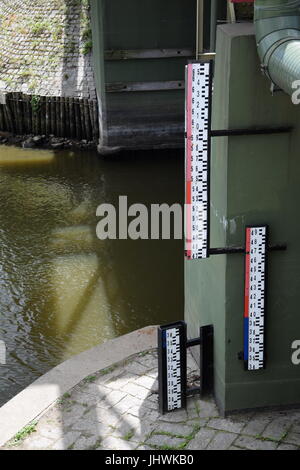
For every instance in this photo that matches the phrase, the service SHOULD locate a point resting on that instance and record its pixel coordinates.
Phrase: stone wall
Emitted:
(45, 48)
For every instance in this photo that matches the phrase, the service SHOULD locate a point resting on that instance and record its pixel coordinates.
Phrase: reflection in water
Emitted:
(61, 289)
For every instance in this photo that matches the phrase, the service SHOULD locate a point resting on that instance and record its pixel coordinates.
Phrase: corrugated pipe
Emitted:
(277, 26)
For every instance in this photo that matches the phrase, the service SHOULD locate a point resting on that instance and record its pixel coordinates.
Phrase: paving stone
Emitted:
(292, 438)
(124, 405)
(135, 390)
(113, 443)
(152, 373)
(201, 440)
(39, 443)
(135, 368)
(107, 417)
(51, 432)
(120, 381)
(117, 414)
(151, 406)
(114, 397)
(221, 441)
(128, 424)
(175, 428)
(256, 425)
(153, 396)
(133, 401)
(296, 428)
(87, 443)
(162, 441)
(139, 428)
(193, 407)
(225, 425)
(144, 413)
(96, 422)
(66, 442)
(200, 422)
(277, 428)
(53, 416)
(73, 414)
(287, 447)
(110, 376)
(254, 444)
(149, 361)
(178, 416)
(207, 409)
(145, 382)
(90, 396)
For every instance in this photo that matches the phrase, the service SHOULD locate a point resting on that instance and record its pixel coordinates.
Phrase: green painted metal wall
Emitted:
(142, 119)
(255, 180)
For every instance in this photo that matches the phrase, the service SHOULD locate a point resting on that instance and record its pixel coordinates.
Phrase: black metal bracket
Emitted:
(231, 250)
(172, 367)
(241, 249)
(205, 341)
(190, 392)
(193, 342)
(251, 131)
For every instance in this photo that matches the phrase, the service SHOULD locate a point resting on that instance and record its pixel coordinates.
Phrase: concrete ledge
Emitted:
(35, 399)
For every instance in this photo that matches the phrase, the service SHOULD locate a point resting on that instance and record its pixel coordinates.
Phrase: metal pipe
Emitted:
(213, 24)
(200, 26)
(277, 27)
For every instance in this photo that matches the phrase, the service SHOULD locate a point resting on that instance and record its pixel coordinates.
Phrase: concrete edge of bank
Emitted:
(42, 393)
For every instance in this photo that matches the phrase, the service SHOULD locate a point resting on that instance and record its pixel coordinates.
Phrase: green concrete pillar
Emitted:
(254, 180)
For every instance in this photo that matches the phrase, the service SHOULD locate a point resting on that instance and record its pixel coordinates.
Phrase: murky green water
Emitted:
(61, 289)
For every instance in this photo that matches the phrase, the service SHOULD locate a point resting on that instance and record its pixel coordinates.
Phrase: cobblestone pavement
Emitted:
(117, 409)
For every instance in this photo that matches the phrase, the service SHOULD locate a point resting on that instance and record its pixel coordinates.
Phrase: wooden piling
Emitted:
(72, 118)
(61, 116)
(2, 119)
(47, 116)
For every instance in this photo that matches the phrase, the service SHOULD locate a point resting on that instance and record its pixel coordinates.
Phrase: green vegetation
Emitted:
(129, 435)
(96, 445)
(35, 103)
(181, 446)
(40, 27)
(108, 370)
(86, 31)
(26, 431)
(57, 32)
(87, 47)
(26, 74)
(90, 379)
(86, 4)
(65, 398)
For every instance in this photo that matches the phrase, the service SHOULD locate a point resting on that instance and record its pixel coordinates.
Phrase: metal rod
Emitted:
(251, 131)
(213, 24)
(193, 342)
(121, 87)
(200, 16)
(134, 54)
(206, 56)
(231, 12)
(193, 391)
(241, 249)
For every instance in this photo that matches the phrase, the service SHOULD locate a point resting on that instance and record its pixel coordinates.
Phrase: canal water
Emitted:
(61, 289)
